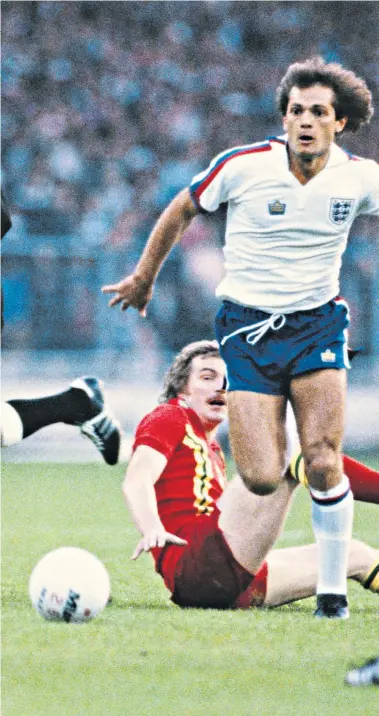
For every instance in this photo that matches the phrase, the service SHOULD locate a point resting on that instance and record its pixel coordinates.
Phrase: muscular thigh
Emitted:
(252, 523)
(318, 401)
(204, 574)
(257, 432)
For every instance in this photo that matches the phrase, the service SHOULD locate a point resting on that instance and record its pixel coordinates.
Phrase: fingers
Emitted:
(173, 539)
(157, 540)
(111, 288)
(146, 544)
(120, 298)
(125, 305)
(138, 550)
(114, 301)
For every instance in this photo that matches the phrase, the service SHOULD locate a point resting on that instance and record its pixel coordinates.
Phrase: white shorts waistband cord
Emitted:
(257, 330)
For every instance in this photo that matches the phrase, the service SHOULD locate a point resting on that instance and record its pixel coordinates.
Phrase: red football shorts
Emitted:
(205, 574)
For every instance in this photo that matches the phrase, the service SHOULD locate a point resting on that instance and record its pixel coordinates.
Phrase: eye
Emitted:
(296, 110)
(318, 112)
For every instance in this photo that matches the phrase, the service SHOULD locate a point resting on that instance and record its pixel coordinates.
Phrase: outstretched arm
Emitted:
(144, 469)
(136, 289)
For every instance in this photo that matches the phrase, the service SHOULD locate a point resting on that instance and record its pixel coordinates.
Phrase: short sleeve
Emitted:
(209, 188)
(163, 429)
(370, 201)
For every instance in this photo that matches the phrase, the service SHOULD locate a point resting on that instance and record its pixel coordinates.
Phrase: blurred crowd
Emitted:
(110, 108)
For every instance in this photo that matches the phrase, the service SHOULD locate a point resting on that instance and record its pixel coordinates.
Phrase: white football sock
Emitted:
(332, 518)
(12, 429)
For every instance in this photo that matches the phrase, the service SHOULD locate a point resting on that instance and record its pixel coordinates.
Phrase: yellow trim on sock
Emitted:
(371, 580)
(297, 469)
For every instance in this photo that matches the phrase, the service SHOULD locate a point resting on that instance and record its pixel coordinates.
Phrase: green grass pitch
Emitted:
(145, 657)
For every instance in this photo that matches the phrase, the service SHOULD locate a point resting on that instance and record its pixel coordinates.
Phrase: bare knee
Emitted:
(260, 481)
(323, 465)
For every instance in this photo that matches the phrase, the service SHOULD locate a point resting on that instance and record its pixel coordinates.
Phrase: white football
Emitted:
(69, 584)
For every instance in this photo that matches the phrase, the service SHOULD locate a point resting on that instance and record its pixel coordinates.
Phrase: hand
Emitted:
(131, 291)
(156, 538)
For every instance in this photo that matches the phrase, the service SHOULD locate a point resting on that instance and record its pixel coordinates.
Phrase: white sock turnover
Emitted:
(332, 518)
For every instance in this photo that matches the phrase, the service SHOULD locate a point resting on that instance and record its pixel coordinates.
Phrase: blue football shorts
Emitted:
(264, 351)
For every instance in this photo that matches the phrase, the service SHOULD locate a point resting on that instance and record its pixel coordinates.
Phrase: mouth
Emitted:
(305, 139)
(219, 402)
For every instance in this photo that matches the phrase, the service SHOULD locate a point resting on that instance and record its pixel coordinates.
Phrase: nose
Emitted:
(306, 118)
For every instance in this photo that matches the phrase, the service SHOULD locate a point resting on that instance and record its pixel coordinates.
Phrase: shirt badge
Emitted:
(340, 210)
(277, 208)
(328, 356)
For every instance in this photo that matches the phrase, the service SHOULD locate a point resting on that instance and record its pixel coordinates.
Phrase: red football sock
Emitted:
(364, 481)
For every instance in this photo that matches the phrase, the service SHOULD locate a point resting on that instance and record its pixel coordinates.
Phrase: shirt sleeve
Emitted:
(209, 189)
(163, 429)
(370, 202)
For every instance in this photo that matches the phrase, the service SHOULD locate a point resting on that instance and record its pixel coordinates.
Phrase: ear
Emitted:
(184, 398)
(340, 125)
(285, 123)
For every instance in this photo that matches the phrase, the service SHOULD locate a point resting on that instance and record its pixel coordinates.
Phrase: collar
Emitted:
(181, 403)
(337, 156)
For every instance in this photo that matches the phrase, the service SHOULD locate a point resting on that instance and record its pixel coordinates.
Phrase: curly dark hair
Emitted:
(352, 97)
(176, 378)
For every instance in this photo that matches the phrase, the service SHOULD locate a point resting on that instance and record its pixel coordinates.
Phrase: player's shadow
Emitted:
(304, 607)
(125, 604)
(301, 607)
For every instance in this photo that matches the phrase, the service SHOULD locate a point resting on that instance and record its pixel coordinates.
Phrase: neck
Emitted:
(210, 432)
(305, 168)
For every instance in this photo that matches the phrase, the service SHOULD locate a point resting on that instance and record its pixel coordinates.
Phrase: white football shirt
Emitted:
(284, 241)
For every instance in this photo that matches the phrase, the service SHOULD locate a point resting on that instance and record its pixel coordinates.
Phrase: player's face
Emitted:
(205, 392)
(310, 121)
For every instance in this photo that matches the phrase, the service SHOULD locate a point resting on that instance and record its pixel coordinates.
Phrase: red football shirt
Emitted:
(194, 477)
